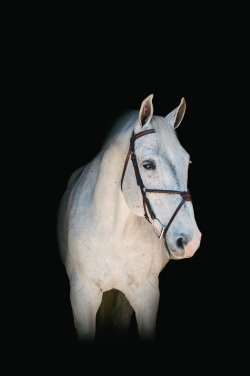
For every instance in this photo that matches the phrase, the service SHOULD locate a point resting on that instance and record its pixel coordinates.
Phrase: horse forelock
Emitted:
(165, 133)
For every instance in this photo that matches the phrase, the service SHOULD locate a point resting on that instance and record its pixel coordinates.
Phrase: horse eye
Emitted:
(149, 165)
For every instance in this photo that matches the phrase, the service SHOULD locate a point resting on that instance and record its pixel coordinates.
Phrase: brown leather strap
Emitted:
(131, 147)
(135, 136)
(185, 195)
(146, 205)
(172, 218)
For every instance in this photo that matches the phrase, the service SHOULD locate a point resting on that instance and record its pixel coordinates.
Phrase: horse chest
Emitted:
(121, 265)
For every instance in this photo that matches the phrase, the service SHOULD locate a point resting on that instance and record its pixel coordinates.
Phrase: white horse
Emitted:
(122, 218)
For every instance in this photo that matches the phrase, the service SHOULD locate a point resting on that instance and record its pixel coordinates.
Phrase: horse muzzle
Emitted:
(182, 247)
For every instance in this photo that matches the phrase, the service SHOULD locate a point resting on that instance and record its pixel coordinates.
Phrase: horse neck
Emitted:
(108, 198)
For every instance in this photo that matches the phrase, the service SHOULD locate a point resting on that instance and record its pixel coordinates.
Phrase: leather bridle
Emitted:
(146, 204)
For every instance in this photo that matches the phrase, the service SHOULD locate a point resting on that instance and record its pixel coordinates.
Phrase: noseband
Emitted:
(146, 204)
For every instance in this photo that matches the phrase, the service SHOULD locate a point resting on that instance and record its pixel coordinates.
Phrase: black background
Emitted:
(71, 80)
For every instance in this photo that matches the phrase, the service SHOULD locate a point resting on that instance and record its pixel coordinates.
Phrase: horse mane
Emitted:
(165, 132)
(124, 122)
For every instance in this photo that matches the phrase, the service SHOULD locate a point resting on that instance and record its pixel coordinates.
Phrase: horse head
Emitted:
(154, 180)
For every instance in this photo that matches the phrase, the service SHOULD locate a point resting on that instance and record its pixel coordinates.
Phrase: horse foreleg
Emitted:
(85, 299)
(145, 303)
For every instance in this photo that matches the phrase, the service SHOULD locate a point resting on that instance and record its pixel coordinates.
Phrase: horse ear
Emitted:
(146, 112)
(175, 117)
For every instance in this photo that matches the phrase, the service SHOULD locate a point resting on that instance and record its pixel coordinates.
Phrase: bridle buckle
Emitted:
(159, 235)
(186, 196)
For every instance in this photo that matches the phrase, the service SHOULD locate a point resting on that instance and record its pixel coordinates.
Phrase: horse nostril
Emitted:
(180, 243)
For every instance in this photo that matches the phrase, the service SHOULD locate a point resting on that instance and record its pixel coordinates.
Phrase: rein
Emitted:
(146, 204)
